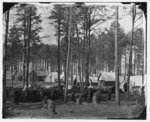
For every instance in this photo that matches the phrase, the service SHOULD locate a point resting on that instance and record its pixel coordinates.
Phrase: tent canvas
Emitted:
(107, 76)
(110, 77)
(53, 76)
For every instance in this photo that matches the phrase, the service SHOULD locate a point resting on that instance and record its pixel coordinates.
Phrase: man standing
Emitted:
(90, 93)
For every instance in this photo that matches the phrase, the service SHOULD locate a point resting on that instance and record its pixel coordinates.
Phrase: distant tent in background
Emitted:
(108, 78)
(93, 80)
(53, 76)
(17, 79)
(42, 75)
(17, 75)
(135, 81)
(48, 78)
(8, 75)
(62, 76)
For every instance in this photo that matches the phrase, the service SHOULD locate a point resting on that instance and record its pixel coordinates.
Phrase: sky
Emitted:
(48, 30)
(125, 22)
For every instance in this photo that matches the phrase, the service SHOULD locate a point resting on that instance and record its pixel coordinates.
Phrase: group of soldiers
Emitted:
(30, 95)
(88, 94)
(36, 94)
(49, 96)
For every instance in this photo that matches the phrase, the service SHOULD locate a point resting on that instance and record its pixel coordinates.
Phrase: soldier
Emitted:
(53, 108)
(45, 101)
(73, 96)
(54, 96)
(109, 93)
(16, 96)
(85, 94)
(90, 93)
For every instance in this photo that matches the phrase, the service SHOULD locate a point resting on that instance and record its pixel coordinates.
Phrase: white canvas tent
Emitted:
(110, 76)
(52, 76)
(62, 76)
(93, 79)
(107, 76)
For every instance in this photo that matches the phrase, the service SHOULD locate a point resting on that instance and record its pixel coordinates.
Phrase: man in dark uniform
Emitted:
(90, 93)
(109, 93)
(54, 96)
(73, 96)
(16, 96)
(85, 94)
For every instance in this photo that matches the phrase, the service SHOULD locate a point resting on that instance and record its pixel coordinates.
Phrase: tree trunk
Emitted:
(5, 57)
(72, 50)
(116, 60)
(28, 49)
(71, 65)
(85, 41)
(79, 59)
(68, 53)
(87, 61)
(87, 35)
(24, 70)
(12, 75)
(135, 64)
(83, 60)
(130, 53)
(65, 72)
(143, 58)
(109, 67)
(58, 52)
(24, 52)
(120, 63)
(125, 61)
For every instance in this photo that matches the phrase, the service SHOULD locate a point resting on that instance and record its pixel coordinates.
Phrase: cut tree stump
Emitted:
(94, 99)
(78, 101)
(49, 104)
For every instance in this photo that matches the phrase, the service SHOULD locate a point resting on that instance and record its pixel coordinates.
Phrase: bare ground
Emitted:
(105, 109)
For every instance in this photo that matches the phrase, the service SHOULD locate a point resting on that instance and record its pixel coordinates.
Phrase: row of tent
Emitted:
(107, 77)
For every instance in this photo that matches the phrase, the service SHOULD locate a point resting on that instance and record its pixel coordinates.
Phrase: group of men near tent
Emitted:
(50, 95)
(88, 94)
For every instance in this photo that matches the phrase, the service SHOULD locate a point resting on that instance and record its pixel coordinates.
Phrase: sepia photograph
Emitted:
(74, 60)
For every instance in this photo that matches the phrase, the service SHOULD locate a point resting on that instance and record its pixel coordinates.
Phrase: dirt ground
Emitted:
(104, 110)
